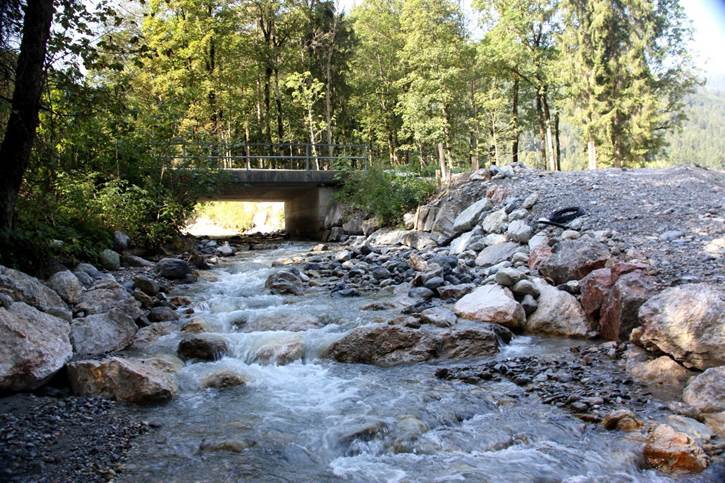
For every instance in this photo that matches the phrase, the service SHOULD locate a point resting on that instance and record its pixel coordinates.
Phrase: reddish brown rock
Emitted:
(619, 314)
(674, 452)
(595, 289)
(620, 268)
(538, 255)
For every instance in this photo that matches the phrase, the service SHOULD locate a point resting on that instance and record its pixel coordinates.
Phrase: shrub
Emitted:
(385, 194)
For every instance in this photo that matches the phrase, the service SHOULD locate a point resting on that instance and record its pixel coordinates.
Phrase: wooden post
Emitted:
(307, 157)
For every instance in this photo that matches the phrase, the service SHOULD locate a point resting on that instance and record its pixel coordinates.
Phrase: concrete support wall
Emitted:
(304, 213)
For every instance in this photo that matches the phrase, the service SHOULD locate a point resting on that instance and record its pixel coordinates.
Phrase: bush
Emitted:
(385, 194)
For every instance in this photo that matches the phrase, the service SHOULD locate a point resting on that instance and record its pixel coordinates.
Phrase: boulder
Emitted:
(673, 452)
(661, 371)
(594, 290)
(467, 342)
(497, 253)
(460, 243)
(382, 346)
(371, 225)
(519, 231)
(447, 292)
(558, 313)
(468, 217)
(121, 241)
(445, 218)
(419, 240)
(391, 345)
(495, 221)
(147, 285)
(225, 250)
(207, 347)
(425, 217)
(146, 336)
(162, 314)
(280, 354)
(173, 268)
(619, 314)
(438, 316)
(24, 288)
(100, 333)
(33, 346)
(105, 296)
(574, 259)
(508, 277)
(687, 322)
(222, 380)
(354, 223)
(706, 392)
(130, 260)
(140, 381)
(67, 285)
(110, 260)
(491, 303)
(622, 420)
(285, 282)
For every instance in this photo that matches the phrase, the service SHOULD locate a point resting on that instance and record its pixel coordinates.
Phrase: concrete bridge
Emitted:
(307, 195)
(301, 175)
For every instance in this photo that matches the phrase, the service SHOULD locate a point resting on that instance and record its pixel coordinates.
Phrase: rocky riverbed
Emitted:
(473, 344)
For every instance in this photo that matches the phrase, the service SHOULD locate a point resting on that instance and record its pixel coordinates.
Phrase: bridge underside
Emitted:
(307, 195)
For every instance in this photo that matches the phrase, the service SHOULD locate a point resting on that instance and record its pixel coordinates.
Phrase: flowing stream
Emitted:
(318, 420)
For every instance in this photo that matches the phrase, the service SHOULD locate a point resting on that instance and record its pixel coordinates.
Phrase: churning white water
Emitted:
(309, 419)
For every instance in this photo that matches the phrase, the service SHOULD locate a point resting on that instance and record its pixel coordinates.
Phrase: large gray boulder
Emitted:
(67, 285)
(110, 260)
(468, 217)
(495, 222)
(497, 253)
(557, 313)
(460, 243)
(285, 282)
(493, 304)
(100, 333)
(140, 381)
(22, 287)
(173, 268)
(105, 296)
(574, 259)
(33, 346)
(687, 322)
(389, 345)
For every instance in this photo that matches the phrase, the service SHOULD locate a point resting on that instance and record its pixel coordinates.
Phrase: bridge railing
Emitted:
(242, 155)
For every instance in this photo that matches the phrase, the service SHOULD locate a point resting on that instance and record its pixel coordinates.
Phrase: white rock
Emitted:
(558, 313)
(491, 303)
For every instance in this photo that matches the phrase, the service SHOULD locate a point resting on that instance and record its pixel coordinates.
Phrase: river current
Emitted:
(317, 420)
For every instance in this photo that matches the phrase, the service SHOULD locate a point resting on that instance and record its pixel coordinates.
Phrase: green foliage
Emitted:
(386, 194)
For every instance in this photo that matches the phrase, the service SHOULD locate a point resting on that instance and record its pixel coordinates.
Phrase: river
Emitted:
(318, 420)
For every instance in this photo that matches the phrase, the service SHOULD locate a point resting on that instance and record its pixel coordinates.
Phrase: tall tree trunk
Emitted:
(557, 143)
(267, 104)
(550, 155)
(278, 102)
(617, 140)
(442, 162)
(515, 119)
(542, 128)
(592, 153)
(23, 120)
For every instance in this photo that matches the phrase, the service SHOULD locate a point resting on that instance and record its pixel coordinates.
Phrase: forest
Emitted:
(556, 84)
